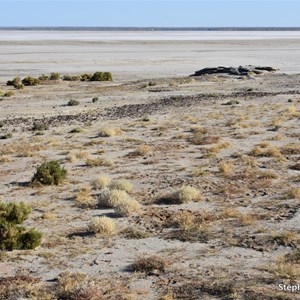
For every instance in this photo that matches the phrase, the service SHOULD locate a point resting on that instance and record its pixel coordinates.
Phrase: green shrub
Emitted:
(15, 237)
(15, 213)
(43, 77)
(39, 127)
(12, 235)
(30, 239)
(9, 235)
(19, 86)
(71, 78)
(86, 77)
(101, 76)
(49, 173)
(95, 99)
(54, 76)
(28, 81)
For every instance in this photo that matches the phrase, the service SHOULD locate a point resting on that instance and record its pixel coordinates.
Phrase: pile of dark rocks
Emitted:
(239, 71)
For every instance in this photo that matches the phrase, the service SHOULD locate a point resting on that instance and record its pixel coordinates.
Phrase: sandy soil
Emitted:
(234, 139)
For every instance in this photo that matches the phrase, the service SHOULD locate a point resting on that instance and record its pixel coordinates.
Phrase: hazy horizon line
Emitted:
(149, 28)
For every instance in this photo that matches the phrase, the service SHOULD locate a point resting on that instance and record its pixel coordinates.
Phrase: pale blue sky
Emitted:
(145, 13)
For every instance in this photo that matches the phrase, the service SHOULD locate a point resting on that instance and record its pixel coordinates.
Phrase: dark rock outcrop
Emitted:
(240, 71)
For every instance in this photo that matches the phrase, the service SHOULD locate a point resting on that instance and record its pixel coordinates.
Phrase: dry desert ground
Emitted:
(177, 187)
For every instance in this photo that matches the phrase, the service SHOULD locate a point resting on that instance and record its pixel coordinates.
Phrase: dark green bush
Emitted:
(49, 173)
(54, 76)
(12, 235)
(13, 82)
(95, 99)
(28, 81)
(73, 102)
(101, 76)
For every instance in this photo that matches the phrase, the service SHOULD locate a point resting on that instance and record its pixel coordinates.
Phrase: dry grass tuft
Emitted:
(294, 193)
(143, 150)
(290, 149)
(23, 287)
(259, 151)
(77, 286)
(152, 264)
(99, 161)
(6, 159)
(110, 198)
(226, 167)
(244, 219)
(183, 195)
(127, 207)
(135, 234)
(121, 184)
(188, 219)
(109, 132)
(285, 270)
(101, 182)
(290, 112)
(200, 139)
(84, 197)
(201, 171)
(103, 226)
(21, 149)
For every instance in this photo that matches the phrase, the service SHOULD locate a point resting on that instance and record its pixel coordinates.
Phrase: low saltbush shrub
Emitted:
(49, 173)
(12, 235)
